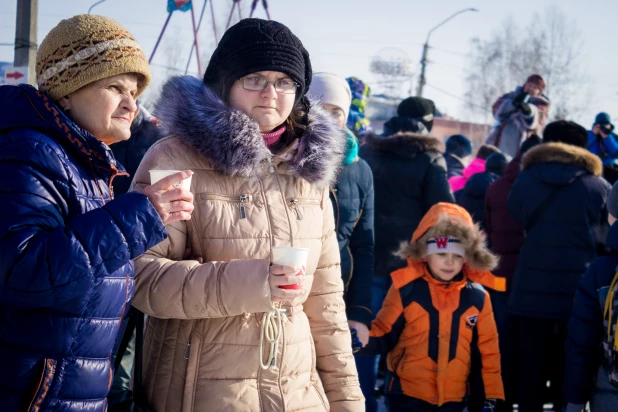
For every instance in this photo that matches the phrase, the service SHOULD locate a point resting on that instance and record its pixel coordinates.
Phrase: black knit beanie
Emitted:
(254, 45)
(459, 145)
(564, 131)
(496, 163)
(418, 108)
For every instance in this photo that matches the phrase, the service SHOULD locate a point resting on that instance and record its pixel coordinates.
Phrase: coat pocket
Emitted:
(241, 200)
(192, 355)
(42, 388)
(298, 206)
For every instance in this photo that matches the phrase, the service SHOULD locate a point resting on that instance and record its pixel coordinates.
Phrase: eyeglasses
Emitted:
(256, 83)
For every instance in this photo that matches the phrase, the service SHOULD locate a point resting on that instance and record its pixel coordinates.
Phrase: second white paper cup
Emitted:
(293, 256)
(156, 175)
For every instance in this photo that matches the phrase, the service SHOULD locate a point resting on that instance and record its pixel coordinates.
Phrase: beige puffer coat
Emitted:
(203, 331)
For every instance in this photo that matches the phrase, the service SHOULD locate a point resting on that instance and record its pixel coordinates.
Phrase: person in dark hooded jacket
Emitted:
(409, 174)
(505, 238)
(559, 200)
(66, 243)
(472, 196)
(589, 352)
(457, 154)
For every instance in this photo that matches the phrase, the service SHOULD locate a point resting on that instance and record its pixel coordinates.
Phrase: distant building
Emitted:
(380, 108)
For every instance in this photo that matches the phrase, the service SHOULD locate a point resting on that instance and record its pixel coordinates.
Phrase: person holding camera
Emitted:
(602, 141)
(519, 114)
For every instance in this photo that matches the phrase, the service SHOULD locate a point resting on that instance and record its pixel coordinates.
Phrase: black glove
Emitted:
(489, 405)
(521, 102)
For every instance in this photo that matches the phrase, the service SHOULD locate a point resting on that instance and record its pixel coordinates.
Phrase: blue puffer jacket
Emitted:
(558, 249)
(585, 336)
(353, 202)
(66, 274)
(606, 149)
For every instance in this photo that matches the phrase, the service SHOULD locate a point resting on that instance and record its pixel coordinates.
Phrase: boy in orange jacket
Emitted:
(436, 323)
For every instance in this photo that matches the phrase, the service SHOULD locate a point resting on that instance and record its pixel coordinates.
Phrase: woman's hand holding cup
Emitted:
(285, 282)
(287, 271)
(171, 197)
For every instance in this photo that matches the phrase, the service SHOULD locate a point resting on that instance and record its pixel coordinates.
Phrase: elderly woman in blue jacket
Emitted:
(66, 245)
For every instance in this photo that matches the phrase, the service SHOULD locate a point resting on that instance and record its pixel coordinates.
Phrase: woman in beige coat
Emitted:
(263, 158)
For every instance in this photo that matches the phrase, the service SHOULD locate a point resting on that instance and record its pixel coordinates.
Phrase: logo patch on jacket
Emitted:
(471, 321)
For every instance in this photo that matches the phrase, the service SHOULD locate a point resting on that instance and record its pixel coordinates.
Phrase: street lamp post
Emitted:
(421, 81)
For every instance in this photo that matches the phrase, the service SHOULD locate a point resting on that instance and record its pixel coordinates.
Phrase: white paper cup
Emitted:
(293, 256)
(156, 175)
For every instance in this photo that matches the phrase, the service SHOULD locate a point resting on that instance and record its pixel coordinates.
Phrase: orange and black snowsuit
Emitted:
(433, 329)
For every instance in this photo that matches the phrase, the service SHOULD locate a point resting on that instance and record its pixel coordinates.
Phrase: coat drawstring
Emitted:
(271, 329)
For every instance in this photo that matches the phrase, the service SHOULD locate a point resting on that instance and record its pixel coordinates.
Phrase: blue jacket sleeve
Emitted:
(611, 145)
(583, 344)
(358, 297)
(50, 254)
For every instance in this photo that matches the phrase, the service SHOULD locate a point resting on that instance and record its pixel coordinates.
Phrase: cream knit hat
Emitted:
(86, 48)
(332, 89)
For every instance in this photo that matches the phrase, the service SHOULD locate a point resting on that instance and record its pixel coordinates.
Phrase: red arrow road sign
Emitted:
(14, 75)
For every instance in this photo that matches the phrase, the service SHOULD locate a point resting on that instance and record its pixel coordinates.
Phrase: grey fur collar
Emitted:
(233, 143)
(563, 153)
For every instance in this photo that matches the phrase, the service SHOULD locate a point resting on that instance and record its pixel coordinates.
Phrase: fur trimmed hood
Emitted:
(404, 144)
(471, 238)
(232, 141)
(563, 153)
(448, 219)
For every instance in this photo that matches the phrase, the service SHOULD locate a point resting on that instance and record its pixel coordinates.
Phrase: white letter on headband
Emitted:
(445, 245)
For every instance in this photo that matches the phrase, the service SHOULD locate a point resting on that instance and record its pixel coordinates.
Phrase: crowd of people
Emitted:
(442, 277)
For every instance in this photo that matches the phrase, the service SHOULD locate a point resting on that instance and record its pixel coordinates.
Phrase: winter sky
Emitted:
(343, 35)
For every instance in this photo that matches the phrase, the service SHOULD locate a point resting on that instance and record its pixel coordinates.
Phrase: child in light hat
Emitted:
(437, 316)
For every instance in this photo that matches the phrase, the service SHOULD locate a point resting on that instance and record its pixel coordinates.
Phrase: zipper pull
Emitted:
(188, 349)
(299, 214)
(243, 212)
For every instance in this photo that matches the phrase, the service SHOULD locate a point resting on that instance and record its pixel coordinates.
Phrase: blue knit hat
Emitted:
(459, 145)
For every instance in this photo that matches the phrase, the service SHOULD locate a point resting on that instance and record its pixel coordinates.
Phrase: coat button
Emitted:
(271, 169)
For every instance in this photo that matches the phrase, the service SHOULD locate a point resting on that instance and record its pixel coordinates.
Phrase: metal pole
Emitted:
(231, 14)
(199, 24)
(422, 80)
(197, 49)
(214, 22)
(253, 8)
(25, 37)
(169, 16)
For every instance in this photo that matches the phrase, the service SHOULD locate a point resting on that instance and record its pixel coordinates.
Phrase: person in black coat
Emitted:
(586, 377)
(144, 133)
(457, 154)
(409, 174)
(472, 196)
(559, 200)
